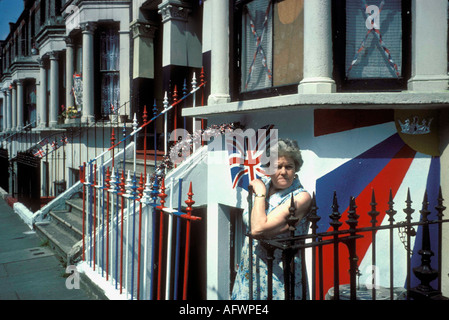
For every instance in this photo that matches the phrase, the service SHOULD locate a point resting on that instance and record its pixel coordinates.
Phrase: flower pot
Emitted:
(123, 118)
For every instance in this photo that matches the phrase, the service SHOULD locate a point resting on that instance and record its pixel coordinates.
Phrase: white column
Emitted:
(42, 109)
(70, 70)
(429, 46)
(5, 110)
(14, 107)
(19, 104)
(219, 87)
(88, 73)
(9, 107)
(125, 106)
(54, 92)
(317, 48)
(2, 95)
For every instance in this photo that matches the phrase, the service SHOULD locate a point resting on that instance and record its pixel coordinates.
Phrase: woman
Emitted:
(272, 199)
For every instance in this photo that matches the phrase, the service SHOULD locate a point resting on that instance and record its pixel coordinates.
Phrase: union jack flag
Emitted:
(64, 140)
(39, 153)
(54, 145)
(246, 154)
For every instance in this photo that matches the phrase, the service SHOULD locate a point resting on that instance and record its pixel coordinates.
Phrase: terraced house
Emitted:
(92, 92)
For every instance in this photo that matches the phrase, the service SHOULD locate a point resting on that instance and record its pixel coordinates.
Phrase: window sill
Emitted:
(369, 100)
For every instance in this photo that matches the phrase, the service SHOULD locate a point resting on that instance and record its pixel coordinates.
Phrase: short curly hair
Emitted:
(289, 148)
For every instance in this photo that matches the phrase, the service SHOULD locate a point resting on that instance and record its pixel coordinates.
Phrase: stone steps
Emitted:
(63, 230)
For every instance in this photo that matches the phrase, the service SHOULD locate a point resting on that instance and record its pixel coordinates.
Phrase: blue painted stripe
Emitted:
(351, 178)
(432, 187)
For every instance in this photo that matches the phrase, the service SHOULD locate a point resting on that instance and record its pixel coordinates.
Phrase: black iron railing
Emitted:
(349, 237)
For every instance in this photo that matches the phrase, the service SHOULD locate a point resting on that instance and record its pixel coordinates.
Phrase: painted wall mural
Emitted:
(352, 152)
(407, 159)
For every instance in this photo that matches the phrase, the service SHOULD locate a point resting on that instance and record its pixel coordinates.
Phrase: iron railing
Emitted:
(130, 258)
(348, 237)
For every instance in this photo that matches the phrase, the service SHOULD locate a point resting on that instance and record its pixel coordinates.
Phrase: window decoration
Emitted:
(373, 39)
(271, 43)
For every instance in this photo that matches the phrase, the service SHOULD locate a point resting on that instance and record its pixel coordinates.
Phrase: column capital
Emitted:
(88, 27)
(142, 29)
(174, 10)
(42, 62)
(54, 55)
(69, 41)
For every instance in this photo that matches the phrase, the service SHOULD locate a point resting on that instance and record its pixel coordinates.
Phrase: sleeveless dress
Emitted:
(260, 272)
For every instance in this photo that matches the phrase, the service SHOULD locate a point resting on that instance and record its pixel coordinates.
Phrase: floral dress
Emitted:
(260, 271)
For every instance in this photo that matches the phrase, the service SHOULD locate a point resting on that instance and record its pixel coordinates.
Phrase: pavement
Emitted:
(29, 270)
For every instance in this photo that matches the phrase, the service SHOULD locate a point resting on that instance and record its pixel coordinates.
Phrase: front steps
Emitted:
(63, 231)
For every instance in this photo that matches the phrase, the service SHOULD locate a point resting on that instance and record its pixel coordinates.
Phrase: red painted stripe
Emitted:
(390, 177)
(328, 121)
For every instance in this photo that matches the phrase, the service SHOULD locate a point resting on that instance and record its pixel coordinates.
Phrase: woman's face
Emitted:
(285, 173)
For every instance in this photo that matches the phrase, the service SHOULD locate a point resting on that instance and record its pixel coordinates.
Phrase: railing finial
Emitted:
(189, 200)
(373, 213)
(292, 219)
(352, 215)
(408, 210)
(391, 212)
(313, 217)
(335, 215)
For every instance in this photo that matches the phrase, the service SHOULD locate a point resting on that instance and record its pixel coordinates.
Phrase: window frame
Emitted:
(236, 12)
(100, 73)
(339, 54)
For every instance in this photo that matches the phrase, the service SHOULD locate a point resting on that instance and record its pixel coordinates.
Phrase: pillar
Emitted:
(9, 107)
(143, 60)
(219, 87)
(5, 111)
(13, 107)
(88, 114)
(70, 70)
(317, 48)
(125, 84)
(54, 86)
(42, 108)
(429, 46)
(19, 84)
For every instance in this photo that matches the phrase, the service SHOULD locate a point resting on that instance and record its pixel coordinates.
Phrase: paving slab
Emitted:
(29, 270)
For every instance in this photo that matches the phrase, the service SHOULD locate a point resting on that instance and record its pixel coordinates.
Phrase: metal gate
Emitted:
(28, 180)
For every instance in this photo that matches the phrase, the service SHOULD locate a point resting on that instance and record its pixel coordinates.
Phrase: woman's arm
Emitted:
(276, 222)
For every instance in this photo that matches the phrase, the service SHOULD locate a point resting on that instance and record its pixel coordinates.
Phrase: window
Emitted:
(42, 12)
(30, 104)
(24, 41)
(371, 47)
(269, 40)
(109, 70)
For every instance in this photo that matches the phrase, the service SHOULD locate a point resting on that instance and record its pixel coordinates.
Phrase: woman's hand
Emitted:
(276, 222)
(258, 186)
